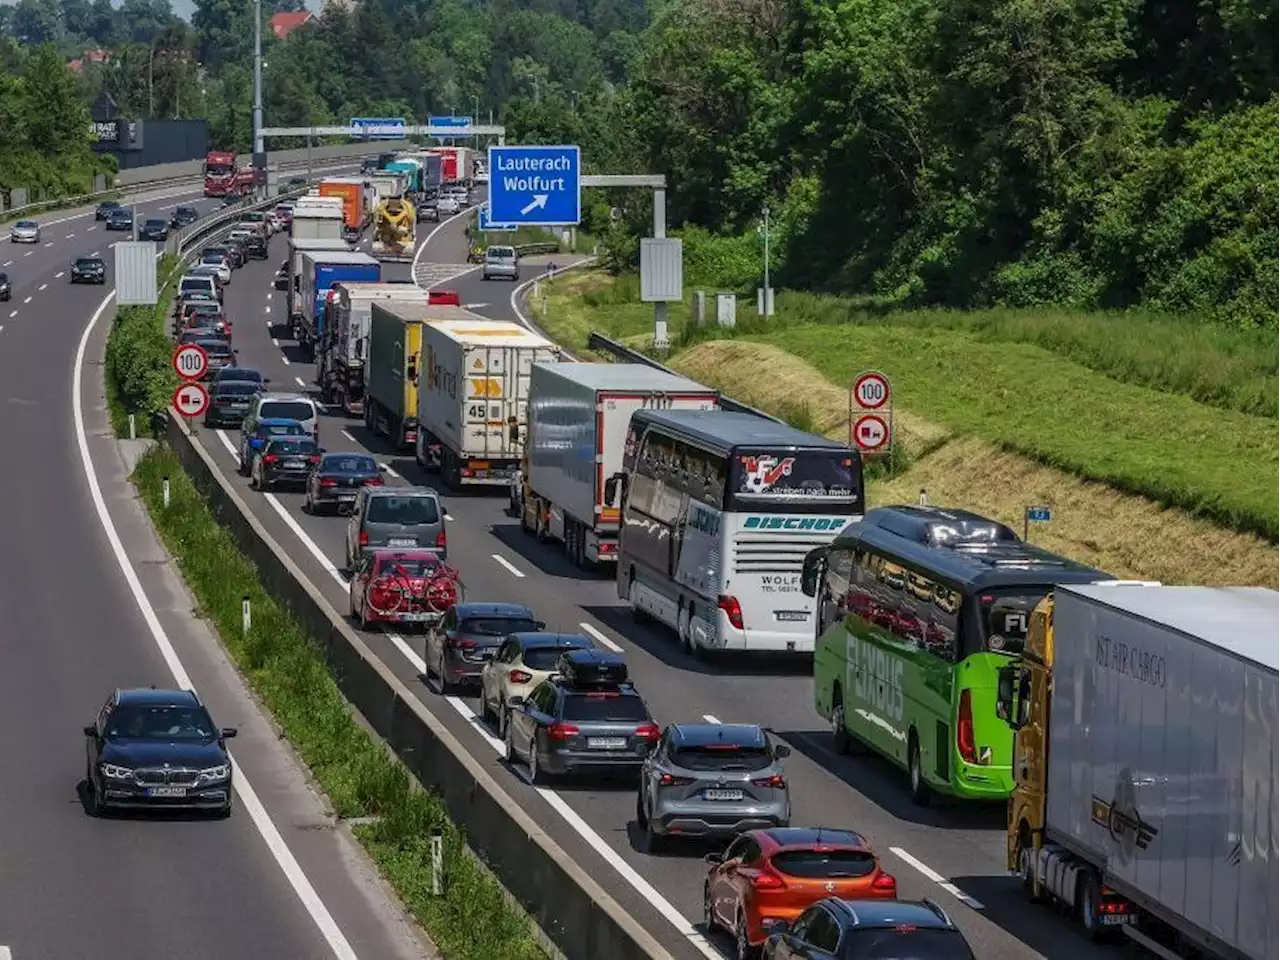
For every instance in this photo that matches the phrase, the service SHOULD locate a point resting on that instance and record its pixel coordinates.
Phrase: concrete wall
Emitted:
(583, 920)
(194, 168)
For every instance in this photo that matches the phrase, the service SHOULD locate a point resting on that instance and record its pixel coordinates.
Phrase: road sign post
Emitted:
(190, 400)
(1034, 514)
(535, 186)
(871, 413)
(190, 361)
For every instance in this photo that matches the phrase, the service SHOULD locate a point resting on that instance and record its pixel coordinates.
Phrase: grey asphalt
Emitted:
(130, 887)
(963, 845)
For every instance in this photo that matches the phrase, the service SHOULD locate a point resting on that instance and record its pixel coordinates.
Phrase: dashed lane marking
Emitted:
(300, 381)
(502, 561)
(43, 286)
(939, 879)
(710, 718)
(601, 638)
(58, 275)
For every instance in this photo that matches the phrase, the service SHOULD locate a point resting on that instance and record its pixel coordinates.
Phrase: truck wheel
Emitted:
(1087, 899)
(919, 788)
(638, 615)
(1026, 865)
(370, 413)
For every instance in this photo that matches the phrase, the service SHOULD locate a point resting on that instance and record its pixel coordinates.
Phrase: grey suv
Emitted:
(501, 262)
(395, 517)
(712, 780)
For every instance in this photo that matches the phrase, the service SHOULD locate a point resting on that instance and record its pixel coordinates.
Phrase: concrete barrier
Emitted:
(195, 168)
(579, 915)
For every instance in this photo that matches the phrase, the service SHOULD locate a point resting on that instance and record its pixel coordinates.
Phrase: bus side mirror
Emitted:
(1006, 685)
(615, 487)
(812, 572)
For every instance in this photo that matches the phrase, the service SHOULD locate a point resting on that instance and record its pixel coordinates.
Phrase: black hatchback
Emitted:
(337, 478)
(256, 246)
(184, 216)
(88, 270)
(468, 636)
(154, 229)
(284, 460)
(229, 401)
(835, 929)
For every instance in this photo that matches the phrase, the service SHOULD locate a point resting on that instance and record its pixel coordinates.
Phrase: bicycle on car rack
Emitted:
(397, 594)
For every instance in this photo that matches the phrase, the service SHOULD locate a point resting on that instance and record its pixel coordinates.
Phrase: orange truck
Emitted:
(355, 207)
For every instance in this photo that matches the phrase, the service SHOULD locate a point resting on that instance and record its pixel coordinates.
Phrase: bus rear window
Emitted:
(798, 474)
(1004, 616)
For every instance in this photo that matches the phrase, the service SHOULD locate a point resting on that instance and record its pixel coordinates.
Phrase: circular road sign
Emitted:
(871, 390)
(191, 399)
(191, 361)
(870, 433)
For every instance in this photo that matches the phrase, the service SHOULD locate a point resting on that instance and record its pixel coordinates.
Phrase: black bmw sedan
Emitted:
(88, 270)
(153, 749)
(337, 479)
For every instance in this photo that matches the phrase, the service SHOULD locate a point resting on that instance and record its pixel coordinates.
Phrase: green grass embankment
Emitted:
(473, 919)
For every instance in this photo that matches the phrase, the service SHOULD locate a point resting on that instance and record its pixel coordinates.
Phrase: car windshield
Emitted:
(905, 943)
(496, 626)
(300, 446)
(235, 388)
(27, 224)
(722, 756)
(542, 658)
(155, 223)
(404, 510)
(287, 410)
(501, 253)
(825, 864)
(243, 373)
(211, 257)
(194, 283)
(85, 263)
(418, 566)
(282, 430)
(605, 705)
(160, 722)
(349, 464)
(214, 346)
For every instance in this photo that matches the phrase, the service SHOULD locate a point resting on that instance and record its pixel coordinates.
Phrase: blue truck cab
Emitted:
(320, 271)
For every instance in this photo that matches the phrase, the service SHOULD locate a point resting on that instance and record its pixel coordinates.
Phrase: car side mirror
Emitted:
(226, 733)
(91, 730)
(781, 752)
(814, 562)
(714, 857)
(266, 379)
(540, 624)
(515, 702)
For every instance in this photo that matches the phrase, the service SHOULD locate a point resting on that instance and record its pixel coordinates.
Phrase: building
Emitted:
(283, 24)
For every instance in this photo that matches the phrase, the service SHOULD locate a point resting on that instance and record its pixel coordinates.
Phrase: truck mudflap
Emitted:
(487, 473)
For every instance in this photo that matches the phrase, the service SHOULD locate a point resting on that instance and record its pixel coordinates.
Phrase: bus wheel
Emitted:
(839, 732)
(919, 788)
(638, 615)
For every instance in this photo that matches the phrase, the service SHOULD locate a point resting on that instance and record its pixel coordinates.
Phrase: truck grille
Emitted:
(770, 556)
(176, 778)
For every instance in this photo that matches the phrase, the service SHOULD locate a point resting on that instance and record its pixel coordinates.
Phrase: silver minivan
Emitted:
(409, 517)
(501, 263)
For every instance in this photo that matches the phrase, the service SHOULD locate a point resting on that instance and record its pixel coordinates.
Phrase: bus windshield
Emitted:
(823, 479)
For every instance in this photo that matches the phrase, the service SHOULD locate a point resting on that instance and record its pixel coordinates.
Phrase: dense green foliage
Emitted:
(139, 373)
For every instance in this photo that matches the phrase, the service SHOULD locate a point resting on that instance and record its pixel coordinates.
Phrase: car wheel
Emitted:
(92, 805)
(839, 732)
(503, 721)
(536, 776)
(365, 623)
(654, 842)
(224, 812)
(641, 817)
(508, 743)
(744, 949)
(446, 688)
(253, 480)
(919, 788)
(708, 911)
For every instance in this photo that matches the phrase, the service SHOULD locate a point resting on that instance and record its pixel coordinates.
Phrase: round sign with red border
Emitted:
(871, 391)
(870, 433)
(191, 399)
(190, 360)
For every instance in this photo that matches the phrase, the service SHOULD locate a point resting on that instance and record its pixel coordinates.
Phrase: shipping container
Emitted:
(320, 271)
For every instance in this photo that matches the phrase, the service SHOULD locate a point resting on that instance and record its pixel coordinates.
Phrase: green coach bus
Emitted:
(918, 609)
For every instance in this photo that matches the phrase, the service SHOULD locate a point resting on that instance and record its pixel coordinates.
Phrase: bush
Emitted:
(139, 372)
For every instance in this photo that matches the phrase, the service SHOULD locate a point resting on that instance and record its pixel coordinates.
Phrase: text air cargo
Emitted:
(320, 271)
(578, 417)
(473, 395)
(1144, 764)
(344, 343)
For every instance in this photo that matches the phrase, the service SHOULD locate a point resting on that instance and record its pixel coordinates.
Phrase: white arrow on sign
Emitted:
(539, 200)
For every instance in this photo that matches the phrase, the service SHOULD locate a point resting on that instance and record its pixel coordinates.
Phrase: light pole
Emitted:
(259, 161)
(767, 300)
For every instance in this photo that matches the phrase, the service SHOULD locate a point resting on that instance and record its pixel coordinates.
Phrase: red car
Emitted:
(777, 874)
(399, 586)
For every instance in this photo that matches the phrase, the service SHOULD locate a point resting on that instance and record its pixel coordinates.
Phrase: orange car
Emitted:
(777, 874)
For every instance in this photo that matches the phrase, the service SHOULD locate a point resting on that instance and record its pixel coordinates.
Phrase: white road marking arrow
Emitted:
(539, 200)
(474, 306)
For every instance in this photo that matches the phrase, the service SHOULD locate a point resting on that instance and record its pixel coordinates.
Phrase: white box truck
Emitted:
(317, 218)
(1145, 764)
(579, 414)
(472, 397)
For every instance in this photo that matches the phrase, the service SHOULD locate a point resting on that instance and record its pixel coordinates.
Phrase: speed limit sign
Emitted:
(870, 390)
(190, 361)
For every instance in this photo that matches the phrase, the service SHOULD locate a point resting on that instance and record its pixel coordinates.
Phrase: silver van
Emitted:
(409, 517)
(501, 263)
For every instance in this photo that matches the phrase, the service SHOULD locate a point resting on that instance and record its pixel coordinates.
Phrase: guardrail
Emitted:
(598, 341)
(533, 249)
(171, 174)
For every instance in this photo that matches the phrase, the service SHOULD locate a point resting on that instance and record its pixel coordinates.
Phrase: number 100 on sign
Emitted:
(870, 391)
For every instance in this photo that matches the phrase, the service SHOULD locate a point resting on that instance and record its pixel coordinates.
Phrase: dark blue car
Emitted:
(269, 428)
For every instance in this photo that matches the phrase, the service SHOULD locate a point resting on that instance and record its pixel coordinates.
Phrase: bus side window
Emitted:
(833, 598)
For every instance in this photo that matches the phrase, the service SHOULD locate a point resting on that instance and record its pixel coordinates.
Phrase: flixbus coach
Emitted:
(918, 610)
(719, 510)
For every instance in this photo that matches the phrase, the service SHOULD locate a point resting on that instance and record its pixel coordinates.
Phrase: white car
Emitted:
(24, 231)
(219, 265)
(447, 206)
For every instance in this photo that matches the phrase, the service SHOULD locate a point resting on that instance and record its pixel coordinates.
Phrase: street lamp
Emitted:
(259, 160)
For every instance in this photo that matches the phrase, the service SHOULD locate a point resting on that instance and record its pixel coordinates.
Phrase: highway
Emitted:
(949, 852)
(91, 605)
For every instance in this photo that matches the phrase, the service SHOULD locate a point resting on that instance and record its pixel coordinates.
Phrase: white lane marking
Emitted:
(94, 254)
(1, 327)
(391, 470)
(575, 822)
(6, 953)
(8, 263)
(28, 300)
(709, 718)
(518, 292)
(422, 247)
(936, 877)
(268, 308)
(448, 518)
(601, 638)
(58, 275)
(268, 297)
(90, 228)
(28, 253)
(347, 434)
(506, 563)
(300, 381)
(49, 244)
(43, 286)
(293, 872)
(70, 235)
(284, 359)
(275, 342)
(12, 314)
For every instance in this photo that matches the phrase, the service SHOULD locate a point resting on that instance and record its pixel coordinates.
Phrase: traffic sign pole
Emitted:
(871, 413)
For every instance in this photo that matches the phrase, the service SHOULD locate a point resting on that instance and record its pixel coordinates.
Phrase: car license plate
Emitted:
(792, 616)
(415, 617)
(1117, 919)
(721, 794)
(402, 542)
(606, 743)
(346, 496)
(294, 464)
(167, 792)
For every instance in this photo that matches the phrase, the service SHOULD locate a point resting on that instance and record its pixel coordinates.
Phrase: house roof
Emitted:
(283, 24)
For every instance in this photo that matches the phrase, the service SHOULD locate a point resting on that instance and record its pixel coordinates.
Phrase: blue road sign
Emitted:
(486, 226)
(1039, 514)
(535, 186)
(380, 122)
(450, 122)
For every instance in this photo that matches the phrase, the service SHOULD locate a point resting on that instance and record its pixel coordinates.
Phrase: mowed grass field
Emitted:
(1081, 393)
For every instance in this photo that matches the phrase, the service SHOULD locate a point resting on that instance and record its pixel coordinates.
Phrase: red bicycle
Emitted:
(395, 592)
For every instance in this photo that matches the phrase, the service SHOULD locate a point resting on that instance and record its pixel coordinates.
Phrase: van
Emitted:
(193, 283)
(501, 262)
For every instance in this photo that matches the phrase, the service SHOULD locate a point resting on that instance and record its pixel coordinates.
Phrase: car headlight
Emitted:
(112, 772)
(216, 774)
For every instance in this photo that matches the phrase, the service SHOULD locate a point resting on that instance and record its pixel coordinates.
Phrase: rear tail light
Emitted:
(667, 780)
(314, 459)
(964, 729)
(648, 731)
(777, 781)
(764, 880)
(328, 483)
(270, 458)
(441, 540)
(885, 885)
(732, 609)
(455, 644)
(364, 538)
(373, 482)
(518, 676)
(562, 731)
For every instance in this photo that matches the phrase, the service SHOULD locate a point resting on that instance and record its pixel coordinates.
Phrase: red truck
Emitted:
(224, 175)
(457, 164)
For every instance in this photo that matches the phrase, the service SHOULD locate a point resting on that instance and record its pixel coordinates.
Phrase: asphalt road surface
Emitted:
(951, 853)
(278, 879)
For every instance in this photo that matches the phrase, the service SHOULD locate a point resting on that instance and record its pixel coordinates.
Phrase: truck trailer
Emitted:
(458, 164)
(297, 248)
(354, 195)
(391, 372)
(578, 419)
(472, 402)
(344, 345)
(320, 271)
(318, 218)
(1144, 764)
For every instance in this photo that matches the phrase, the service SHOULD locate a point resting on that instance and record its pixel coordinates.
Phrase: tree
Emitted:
(37, 21)
(77, 18)
(101, 27)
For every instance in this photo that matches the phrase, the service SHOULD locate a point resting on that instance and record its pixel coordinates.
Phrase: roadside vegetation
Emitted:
(138, 368)
(473, 920)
